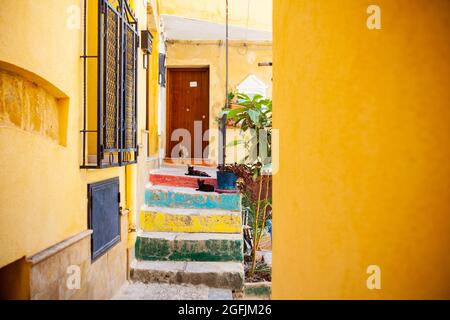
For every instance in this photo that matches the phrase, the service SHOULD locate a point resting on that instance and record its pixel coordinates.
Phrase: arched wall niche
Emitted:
(31, 103)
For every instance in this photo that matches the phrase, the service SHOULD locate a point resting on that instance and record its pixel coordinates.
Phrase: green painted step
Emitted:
(176, 197)
(163, 246)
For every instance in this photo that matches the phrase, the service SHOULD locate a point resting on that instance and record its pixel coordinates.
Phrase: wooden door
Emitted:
(187, 104)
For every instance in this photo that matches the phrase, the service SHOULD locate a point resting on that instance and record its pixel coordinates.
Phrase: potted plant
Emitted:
(226, 179)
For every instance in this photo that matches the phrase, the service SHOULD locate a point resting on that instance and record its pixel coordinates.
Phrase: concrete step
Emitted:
(176, 197)
(159, 219)
(166, 291)
(167, 246)
(227, 275)
(176, 177)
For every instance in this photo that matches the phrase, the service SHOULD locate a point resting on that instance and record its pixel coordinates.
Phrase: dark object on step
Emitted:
(202, 186)
(196, 173)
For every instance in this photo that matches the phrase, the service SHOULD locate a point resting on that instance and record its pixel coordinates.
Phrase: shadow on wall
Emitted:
(15, 281)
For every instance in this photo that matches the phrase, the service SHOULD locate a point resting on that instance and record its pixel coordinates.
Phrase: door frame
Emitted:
(170, 69)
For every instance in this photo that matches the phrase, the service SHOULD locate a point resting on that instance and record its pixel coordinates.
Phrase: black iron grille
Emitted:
(118, 44)
(130, 88)
(112, 80)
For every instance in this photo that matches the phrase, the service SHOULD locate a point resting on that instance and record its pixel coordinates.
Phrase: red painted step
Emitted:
(179, 180)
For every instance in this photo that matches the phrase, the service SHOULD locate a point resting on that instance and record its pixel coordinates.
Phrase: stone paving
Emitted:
(155, 291)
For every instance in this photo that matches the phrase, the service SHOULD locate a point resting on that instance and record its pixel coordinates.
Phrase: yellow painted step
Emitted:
(156, 219)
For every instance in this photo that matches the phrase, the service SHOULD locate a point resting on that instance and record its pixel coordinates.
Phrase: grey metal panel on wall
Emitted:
(104, 215)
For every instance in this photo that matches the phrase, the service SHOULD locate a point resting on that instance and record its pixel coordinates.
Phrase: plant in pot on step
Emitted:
(226, 179)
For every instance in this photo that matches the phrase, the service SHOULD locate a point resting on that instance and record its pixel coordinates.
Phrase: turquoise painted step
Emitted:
(162, 246)
(172, 197)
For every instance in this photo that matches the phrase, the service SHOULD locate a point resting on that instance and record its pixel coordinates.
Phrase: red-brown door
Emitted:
(187, 108)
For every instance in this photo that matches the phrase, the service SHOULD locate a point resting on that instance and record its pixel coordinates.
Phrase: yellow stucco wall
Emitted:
(364, 174)
(43, 198)
(243, 60)
(153, 142)
(255, 14)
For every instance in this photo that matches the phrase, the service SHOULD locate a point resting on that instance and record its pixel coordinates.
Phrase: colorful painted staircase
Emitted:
(187, 236)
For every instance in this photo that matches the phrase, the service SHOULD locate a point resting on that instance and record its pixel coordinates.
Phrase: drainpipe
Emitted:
(226, 44)
(223, 130)
(130, 201)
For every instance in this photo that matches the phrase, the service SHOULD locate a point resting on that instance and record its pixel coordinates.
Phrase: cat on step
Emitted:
(196, 173)
(202, 186)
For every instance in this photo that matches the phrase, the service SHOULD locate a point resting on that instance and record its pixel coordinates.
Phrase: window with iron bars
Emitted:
(109, 131)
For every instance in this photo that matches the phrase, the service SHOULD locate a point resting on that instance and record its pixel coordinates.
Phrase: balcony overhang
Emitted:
(185, 29)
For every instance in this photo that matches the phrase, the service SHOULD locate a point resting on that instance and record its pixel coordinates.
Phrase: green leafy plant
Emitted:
(263, 209)
(254, 115)
(259, 211)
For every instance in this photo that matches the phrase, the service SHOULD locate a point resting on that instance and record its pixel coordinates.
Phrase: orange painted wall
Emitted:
(365, 143)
